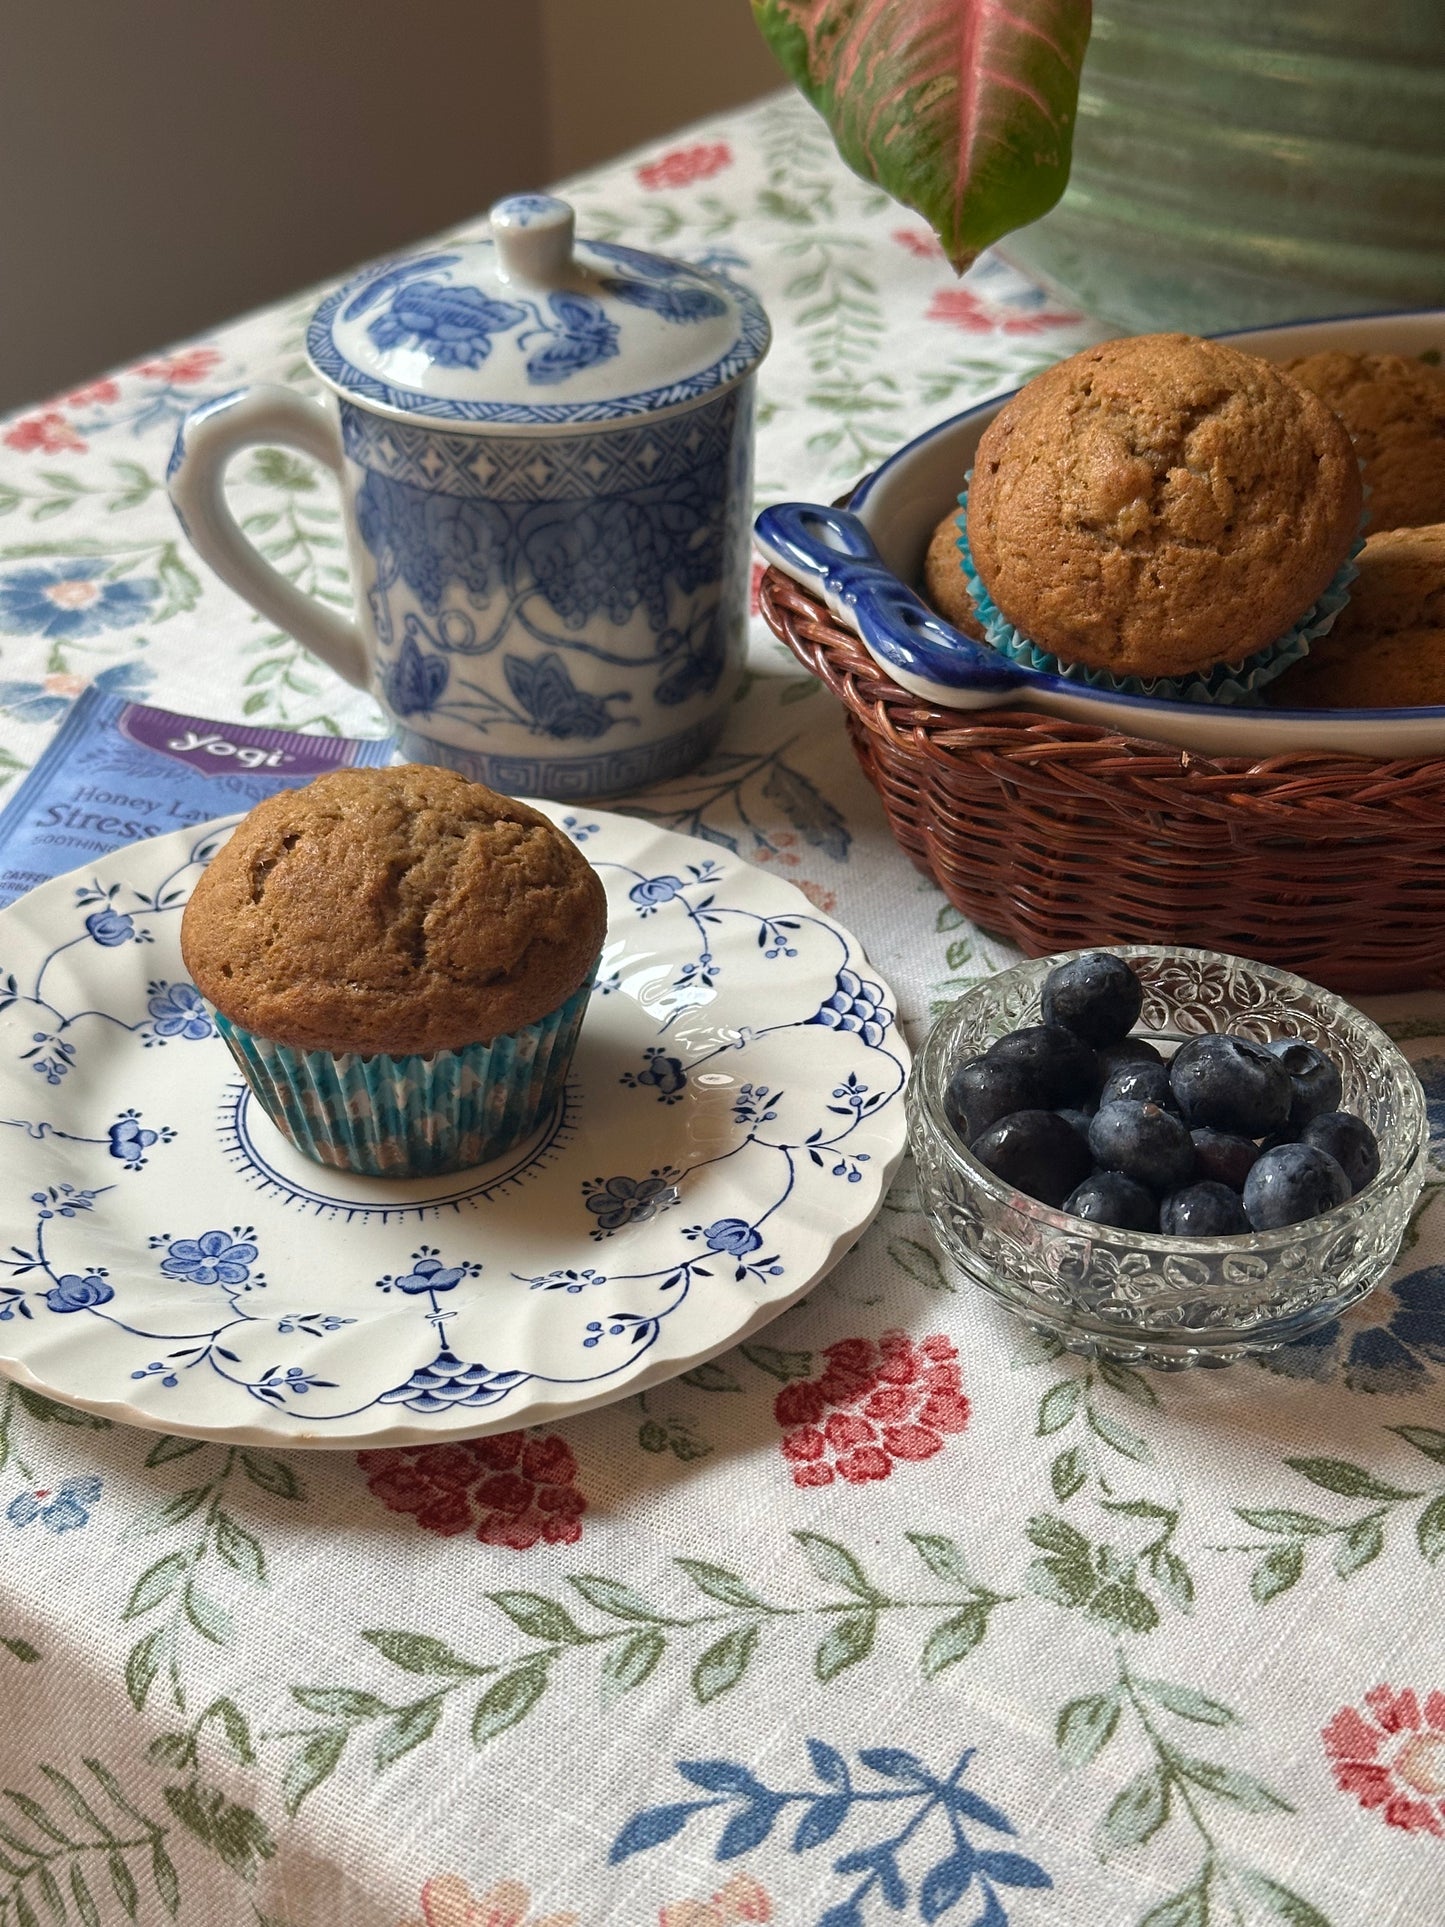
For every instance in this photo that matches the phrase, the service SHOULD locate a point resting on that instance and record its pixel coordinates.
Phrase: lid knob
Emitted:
(533, 233)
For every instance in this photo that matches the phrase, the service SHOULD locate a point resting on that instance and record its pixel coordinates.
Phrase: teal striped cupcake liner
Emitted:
(1227, 683)
(412, 1117)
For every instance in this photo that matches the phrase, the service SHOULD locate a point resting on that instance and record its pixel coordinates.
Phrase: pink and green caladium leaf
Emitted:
(962, 109)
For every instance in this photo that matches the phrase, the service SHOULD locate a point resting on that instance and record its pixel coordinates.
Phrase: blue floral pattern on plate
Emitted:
(739, 1063)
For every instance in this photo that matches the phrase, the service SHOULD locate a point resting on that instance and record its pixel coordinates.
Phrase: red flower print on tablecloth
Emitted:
(1392, 1756)
(93, 394)
(681, 166)
(188, 364)
(47, 433)
(742, 1899)
(818, 895)
(925, 246)
(512, 1490)
(447, 1901)
(872, 1407)
(966, 310)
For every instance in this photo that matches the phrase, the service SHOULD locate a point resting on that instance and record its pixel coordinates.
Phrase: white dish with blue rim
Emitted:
(866, 561)
(731, 1124)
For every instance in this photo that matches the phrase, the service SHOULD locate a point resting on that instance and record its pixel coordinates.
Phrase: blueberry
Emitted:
(1139, 1083)
(1349, 1141)
(1096, 996)
(1146, 1143)
(983, 1090)
(1035, 1151)
(1108, 1197)
(1128, 1050)
(1207, 1210)
(1222, 1159)
(1314, 1079)
(1231, 1084)
(1063, 1063)
(1080, 1121)
(1291, 1183)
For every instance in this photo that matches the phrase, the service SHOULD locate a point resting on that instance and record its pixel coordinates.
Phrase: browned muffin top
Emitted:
(1394, 408)
(1387, 650)
(392, 910)
(1159, 504)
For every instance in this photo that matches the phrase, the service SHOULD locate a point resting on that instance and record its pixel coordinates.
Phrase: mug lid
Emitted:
(530, 327)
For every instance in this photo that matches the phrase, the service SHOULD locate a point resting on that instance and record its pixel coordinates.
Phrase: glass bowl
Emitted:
(1140, 1296)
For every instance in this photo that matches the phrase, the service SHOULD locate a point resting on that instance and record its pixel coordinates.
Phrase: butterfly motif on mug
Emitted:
(557, 707)
(582, 335)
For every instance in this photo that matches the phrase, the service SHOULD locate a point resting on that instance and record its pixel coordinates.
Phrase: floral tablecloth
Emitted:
(892, 1614)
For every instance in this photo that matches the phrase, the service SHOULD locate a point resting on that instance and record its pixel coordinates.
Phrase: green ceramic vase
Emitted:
(1239, 162)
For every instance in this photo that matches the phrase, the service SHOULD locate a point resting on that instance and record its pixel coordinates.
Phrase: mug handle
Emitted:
(205, 442)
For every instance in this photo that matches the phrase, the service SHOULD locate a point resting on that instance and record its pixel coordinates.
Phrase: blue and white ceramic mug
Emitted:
(544, 450)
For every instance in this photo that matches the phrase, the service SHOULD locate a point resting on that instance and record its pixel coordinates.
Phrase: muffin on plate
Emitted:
(1156, 507)
(399, 960)
(1387, 651)
(1394, 409)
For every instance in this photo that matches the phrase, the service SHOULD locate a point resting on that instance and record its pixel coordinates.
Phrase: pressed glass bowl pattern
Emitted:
(1143, 1297)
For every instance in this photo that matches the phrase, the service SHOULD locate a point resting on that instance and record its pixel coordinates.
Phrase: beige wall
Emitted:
(623, 71)
(166, 164)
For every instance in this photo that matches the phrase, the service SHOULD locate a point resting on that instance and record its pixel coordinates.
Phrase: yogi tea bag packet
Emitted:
(117, 771)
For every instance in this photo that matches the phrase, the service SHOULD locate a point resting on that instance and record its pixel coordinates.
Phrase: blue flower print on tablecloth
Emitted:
(61, 1509)
(931, 1849)
(1393, 1356)
(76, 1293)
(1431, 1073)
(48, 700)
(69, 599)
(178, 1010)
(215, 1258)
(452, 326)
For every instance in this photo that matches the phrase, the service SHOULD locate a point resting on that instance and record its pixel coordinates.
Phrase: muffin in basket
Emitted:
(1387, 651)
(1161, 512)
(400, 961)
(1394, 409)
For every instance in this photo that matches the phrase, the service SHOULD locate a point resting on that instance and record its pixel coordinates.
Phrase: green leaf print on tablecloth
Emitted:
(1176, 1785)
(174, 1592)
(80, 1841)
(1352, 1542)
(848, 1618)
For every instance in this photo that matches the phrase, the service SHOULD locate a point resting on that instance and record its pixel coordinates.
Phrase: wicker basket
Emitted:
(1058, 835)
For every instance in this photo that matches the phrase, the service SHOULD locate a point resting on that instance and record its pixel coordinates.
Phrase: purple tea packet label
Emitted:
(117, 771)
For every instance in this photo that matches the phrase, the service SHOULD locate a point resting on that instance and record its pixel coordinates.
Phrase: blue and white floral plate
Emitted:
(731, 1124)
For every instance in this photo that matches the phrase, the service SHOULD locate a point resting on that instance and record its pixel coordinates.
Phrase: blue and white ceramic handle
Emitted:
(208, 438)
(830, 552)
